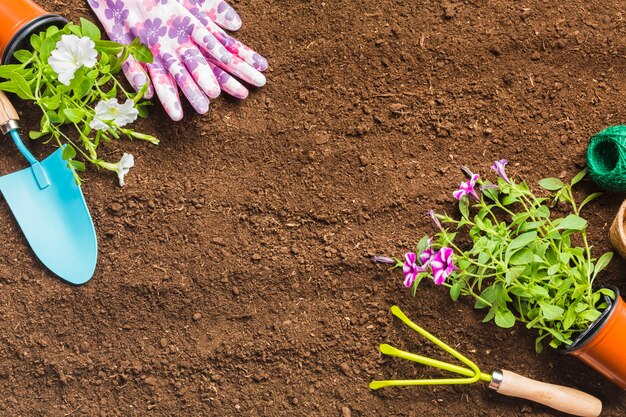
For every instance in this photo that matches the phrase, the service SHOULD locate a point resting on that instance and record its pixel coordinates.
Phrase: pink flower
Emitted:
(442, 265)
(467, 188)
(411, 269)
(432, 215)
(383, 260)
(498, 166)
(427, 254)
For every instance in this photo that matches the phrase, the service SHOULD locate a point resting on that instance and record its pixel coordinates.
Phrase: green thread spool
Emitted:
(606, 159)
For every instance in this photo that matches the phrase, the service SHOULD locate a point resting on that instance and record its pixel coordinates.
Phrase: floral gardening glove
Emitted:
(180, 43)
(216, 13)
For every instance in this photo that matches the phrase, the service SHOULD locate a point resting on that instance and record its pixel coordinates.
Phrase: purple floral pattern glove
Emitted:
(190, 49)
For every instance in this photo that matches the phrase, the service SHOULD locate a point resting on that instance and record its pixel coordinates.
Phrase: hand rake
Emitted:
(567, 400)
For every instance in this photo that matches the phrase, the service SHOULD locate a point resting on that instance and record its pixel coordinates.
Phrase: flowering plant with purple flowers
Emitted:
(518, 260)
(69, 73)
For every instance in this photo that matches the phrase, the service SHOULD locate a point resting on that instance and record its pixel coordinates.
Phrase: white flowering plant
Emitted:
(69, 73)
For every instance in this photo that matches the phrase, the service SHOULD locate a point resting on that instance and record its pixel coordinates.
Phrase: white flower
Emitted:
(111, 111)
(72, 53)
(123, 166)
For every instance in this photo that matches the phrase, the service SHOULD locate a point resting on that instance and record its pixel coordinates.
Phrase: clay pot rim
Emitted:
(594, 328)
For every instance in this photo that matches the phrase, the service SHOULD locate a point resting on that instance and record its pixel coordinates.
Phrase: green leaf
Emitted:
(76, 165)
(550, 311)
(608, 292)
(570, 316)
(551, 184)
(74, 115)
(51, 31)
(89, 29)
(109, 47)
(572, 222)
(602, 263)
(542, 211)
(588, 200)
(52, 102)
(23, 56)
(464, 207)
(505, 319)
(35, 41)
(68, 152)
(553, 269)
(522, 240)
(521, 293)
(33, 134)
(539, 292)
(522, 257)
(590, 315)
(422, 245)
(141, 52)
(7, 71)
(455, 290)
(47, 46)
(578, 178)
(489, 294)
(513, 273)
(22, 88)
(75, 29)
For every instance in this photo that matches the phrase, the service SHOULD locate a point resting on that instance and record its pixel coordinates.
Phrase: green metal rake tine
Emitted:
(473, 374)
(433, 363)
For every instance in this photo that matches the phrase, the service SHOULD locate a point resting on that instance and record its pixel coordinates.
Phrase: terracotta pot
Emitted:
(602, 345)
(18, 20)
(617, 232)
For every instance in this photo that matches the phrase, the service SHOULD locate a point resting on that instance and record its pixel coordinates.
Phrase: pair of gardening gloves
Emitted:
(191, 50)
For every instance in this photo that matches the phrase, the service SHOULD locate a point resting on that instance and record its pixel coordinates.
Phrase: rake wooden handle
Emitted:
(567, 400)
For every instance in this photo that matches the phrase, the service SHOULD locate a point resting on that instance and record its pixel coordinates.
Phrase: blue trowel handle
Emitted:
(8, 124)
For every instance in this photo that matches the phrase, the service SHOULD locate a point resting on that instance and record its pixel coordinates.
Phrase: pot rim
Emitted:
(22, 36)
(595, 327)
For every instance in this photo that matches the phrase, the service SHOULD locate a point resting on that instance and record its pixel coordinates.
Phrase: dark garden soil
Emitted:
(234, 275)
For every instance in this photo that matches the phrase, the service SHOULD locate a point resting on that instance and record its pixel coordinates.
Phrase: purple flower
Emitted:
(427, 255)
(259, 63)
(467, 188)
(152, 31)
(411, 269)
(222, 76)
(498, 166)
(169, 60)
(383, 260)
(222, 7)
(119, 34)
(225, 56)
(116, 11)
(431, 214)
(192, 59)
(209, 42)
(181, 29)
(442, 265)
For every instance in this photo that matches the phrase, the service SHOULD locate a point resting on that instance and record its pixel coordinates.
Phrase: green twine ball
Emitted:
(606, 159)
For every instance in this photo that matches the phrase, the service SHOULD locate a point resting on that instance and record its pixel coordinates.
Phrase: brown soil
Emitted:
(234, 274)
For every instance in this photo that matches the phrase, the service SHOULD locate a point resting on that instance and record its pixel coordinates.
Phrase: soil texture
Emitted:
(234, 273)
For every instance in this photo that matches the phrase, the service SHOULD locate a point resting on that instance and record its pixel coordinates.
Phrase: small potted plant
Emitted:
(515, 254)
(69, 74)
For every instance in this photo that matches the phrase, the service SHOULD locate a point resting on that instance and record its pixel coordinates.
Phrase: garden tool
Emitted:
(567, 400)
(190, 49)
(50, 208)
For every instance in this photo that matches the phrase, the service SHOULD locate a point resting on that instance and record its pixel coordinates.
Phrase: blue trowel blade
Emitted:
(54, 219)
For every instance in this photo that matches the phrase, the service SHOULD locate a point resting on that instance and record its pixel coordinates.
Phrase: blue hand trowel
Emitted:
(50, 208)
